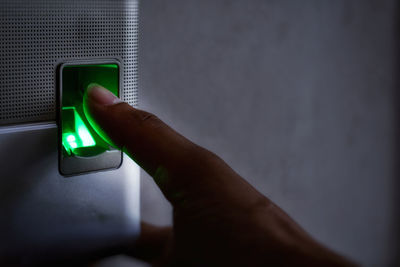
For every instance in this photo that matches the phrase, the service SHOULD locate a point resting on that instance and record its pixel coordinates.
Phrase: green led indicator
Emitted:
(71, 141)
(75, 133)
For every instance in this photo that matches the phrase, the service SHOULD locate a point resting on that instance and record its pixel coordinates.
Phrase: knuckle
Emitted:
(139, 118)
(205, 158)
(149, 119)
(147, 116)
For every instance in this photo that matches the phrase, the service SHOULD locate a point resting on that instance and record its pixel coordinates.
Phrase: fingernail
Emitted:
(101, 95)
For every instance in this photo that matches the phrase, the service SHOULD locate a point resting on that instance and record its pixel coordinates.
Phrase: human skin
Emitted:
(218, 218)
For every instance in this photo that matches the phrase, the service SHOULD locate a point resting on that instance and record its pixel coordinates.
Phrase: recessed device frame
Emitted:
(76, 165)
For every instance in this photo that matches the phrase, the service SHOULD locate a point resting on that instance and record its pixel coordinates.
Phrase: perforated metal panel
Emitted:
(38, 35)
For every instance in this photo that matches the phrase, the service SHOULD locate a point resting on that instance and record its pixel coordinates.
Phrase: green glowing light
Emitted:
(81, 138)
(71, 138)
(75, 133)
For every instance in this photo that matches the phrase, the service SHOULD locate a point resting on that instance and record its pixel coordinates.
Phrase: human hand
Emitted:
(218, 218)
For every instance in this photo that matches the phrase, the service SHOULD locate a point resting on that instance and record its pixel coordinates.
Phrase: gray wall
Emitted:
(299, 97)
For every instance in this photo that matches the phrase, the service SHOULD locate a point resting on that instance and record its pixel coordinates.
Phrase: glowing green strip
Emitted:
(81, 137)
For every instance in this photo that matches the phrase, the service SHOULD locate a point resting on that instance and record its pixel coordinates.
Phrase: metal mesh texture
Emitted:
(38, 35)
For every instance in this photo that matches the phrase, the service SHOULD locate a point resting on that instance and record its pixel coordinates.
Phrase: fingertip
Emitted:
(98, 94)
(96, 101)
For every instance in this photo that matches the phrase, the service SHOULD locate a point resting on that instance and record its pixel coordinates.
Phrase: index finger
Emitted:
(144, 137)
(178, 166)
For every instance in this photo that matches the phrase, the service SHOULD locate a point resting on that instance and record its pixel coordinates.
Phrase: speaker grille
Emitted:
(38, 35)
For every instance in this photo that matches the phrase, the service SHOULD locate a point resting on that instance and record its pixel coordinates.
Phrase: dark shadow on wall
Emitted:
(396, 157)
